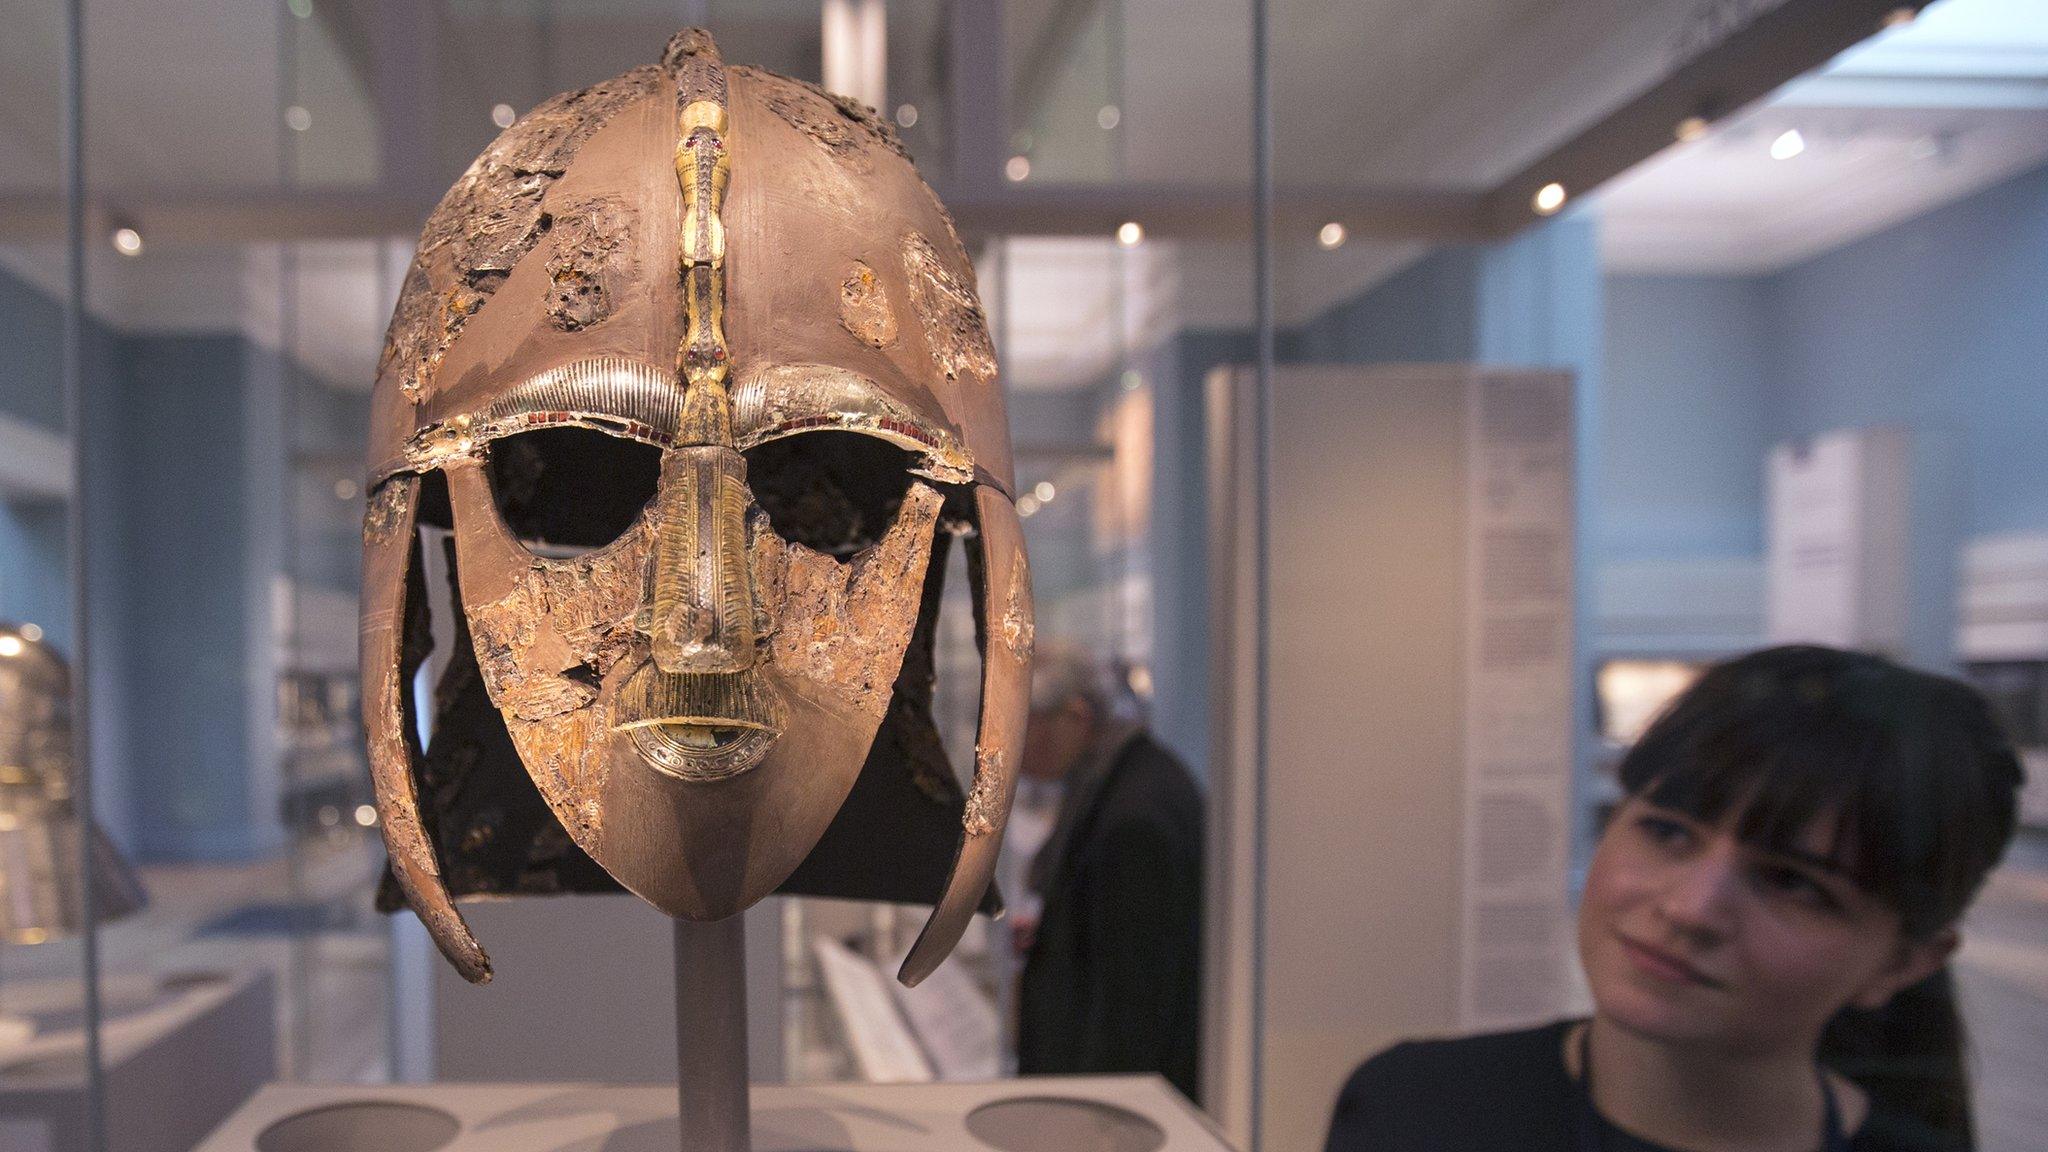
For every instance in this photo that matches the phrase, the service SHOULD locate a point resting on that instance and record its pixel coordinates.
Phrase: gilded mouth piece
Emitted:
(699, 726)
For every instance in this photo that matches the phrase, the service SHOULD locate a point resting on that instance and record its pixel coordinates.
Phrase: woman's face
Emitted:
(1689, 934)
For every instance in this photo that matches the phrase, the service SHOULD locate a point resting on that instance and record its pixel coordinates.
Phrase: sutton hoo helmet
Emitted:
(691, 366)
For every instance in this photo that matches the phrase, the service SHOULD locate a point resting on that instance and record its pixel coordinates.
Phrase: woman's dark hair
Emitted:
(1921, 786)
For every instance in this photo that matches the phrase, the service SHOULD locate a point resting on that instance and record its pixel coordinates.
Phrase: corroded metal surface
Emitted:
(488, 222)
(1000, 570)
(584, 272)
(707, 264)
(845, 128)
(864, 307)
(953, 322)
(387, 554)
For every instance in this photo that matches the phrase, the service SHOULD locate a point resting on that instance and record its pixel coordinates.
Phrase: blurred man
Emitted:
(1111, 977)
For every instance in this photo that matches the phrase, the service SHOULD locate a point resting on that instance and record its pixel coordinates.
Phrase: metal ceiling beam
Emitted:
(171, 218)
(404, 53)
(1783, 43)
(980, 130)
(1775, 48)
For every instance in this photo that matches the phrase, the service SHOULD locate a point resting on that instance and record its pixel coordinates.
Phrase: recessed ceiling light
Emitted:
(1788, 144)
(503, 115)
(127, 241)
(297, 118)
(1899, 17)
(1691, 128)
(303, 9)
(906, 115)
(1129, 233)
(1548, 199)
(10, 644)
(31, 632)
(1133, 379)
(1017, 168)
(1331, 235)
(1108, 116)
(1044, 491)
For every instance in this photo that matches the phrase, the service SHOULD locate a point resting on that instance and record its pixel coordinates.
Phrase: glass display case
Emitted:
(1185, 223)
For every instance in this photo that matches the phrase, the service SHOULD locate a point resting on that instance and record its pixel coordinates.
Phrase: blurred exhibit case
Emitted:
(1419, 692)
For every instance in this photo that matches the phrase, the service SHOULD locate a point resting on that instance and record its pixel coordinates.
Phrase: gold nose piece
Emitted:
(701, 588)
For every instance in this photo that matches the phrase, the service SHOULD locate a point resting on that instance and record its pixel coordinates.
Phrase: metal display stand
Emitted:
(711, 1035)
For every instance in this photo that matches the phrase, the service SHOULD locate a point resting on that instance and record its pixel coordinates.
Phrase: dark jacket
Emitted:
(1505, 1092)
(1113, 981)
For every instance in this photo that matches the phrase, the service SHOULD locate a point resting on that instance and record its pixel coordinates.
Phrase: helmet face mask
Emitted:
(696, 359)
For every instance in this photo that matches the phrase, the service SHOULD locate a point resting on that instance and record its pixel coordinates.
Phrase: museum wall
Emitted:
(1936, 322)
(1424, 313)
(32, 566)
(1180, 588)
(178, 503)
(1686, 424)
(1932, 325)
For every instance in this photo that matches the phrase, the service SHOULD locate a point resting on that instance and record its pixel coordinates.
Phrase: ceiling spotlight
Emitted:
(31, 632)
(127, 241)
(303, 9)
(366, 815)
(1044, 491)
(1129, 233)
(1899, 17)
(503, 115)
(10, 644)
(1690, 129)
(1108, 116)
(297, 118)
(1788, 144)
(1332, 235)
(906, 115)
(1017, 168)
(1027, 507)
(1133, 380)
(1548, 199)
(344, 489)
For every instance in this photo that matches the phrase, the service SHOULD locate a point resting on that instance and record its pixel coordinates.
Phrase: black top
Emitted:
(1510, 1092)
(1112, 982)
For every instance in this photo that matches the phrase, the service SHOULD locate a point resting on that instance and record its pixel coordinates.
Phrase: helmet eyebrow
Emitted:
(611, 394)
(786, 399)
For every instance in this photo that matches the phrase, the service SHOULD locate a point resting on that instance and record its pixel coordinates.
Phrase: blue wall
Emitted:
(177, 464)
(1941, 324)
(172, 591)
(1686, 423)
(1938, 325)
(31, 332)
(1426, 312)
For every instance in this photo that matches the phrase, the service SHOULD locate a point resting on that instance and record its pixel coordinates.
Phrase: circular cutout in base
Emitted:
(361, 1126)
(1063, 1124)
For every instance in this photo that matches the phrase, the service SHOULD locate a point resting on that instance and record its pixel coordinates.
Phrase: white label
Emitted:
(1515, 958)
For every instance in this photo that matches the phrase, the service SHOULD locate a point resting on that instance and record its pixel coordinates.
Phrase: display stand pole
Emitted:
(711, 1034)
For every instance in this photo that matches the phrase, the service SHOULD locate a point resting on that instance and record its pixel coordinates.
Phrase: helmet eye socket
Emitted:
(563, 491)
(832, 492)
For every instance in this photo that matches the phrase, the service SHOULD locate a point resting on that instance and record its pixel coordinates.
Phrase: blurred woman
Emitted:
(1765, 929)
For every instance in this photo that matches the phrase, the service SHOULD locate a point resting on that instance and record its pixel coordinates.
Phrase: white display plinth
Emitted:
(177, 1053)
(786, 1117)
